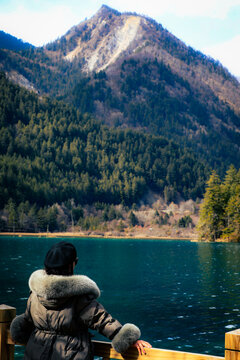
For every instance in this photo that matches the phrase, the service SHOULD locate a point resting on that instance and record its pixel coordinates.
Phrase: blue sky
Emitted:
(211, 26)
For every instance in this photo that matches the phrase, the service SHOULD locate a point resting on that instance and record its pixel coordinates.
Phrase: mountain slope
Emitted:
(50, 153)
(10, 42)
(129, 71)
(110, 37)
(165, 104)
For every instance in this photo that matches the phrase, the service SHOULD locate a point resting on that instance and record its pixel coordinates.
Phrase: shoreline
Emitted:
(92, 235)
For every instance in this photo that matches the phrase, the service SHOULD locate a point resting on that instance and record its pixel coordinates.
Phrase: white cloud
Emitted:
(38, 27)
(228, 53)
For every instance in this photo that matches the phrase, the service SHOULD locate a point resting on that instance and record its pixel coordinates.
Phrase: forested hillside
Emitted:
(50, 153)
(148, 95)
(144, 79)
(47, 145)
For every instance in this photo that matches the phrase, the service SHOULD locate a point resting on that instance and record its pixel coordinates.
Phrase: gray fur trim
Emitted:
(127, 336)
(21, 329)
(57, 286)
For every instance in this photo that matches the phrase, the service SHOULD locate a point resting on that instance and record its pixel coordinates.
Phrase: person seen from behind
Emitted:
(62, 307)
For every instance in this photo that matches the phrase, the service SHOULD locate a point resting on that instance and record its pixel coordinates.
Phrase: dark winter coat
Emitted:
(60, 310)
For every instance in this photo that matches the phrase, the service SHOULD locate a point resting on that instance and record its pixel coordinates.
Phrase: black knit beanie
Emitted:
(60, 254)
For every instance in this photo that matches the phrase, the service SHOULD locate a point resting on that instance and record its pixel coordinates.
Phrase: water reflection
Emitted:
(219, 270)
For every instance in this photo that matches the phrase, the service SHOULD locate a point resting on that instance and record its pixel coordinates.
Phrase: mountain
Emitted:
(128, 71)
(10, 42)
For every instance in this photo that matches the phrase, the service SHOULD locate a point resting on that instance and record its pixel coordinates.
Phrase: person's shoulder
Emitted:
(84, 286)
(59, 286)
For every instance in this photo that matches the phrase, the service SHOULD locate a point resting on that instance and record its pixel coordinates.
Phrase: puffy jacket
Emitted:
(59, 312)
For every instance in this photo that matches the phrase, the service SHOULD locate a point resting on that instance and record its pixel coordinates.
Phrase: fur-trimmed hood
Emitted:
(58, 286)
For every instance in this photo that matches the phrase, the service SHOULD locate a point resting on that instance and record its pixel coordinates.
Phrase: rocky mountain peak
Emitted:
(104, 38)
(109, 37)
(105, 11)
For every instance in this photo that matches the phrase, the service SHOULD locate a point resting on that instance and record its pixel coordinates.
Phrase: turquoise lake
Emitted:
(183, 295)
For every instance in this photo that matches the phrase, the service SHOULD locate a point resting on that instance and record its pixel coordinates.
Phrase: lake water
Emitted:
(183, 295)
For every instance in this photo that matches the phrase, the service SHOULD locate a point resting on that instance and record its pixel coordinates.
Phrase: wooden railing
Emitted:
(104, 349)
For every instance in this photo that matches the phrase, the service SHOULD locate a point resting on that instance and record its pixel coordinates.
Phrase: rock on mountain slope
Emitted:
(100, 41)
(108, 40)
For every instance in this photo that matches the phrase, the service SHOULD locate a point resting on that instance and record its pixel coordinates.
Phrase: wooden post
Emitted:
(7, 313)
(232, 345)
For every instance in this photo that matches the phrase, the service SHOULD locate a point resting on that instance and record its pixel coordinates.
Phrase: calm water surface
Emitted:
(183, 295)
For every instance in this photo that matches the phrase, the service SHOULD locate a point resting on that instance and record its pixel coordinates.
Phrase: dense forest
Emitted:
(220, 210)
(145, 95)
(50, 154)
(148, 95)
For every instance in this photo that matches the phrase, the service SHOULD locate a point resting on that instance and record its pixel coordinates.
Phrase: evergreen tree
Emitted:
(229, 192)
(235, 212)
(220, 210)
(185, 222)
(232, 231)
(133, 221)
(212, 210)
(12, 215)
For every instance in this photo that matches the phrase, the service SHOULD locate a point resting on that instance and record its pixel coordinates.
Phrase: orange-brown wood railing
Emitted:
(104, 349)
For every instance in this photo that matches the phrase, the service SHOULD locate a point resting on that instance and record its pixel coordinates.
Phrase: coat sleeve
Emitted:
(97, 318)
(22, 326)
